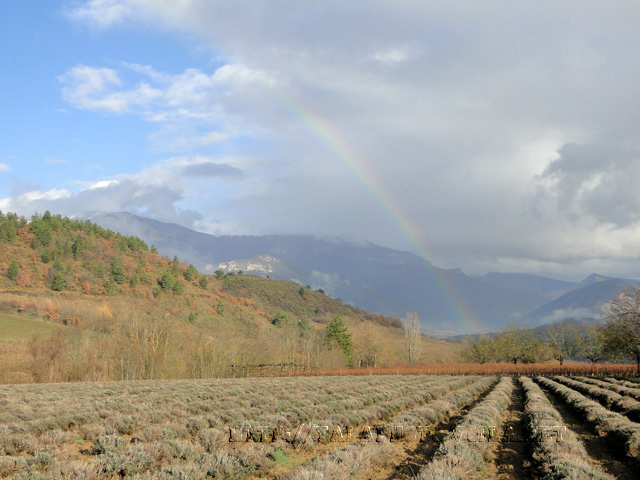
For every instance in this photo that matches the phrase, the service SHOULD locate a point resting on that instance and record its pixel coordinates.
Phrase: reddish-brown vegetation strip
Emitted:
(530, 369)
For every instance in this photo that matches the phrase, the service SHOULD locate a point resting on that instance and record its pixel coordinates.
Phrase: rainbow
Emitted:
(322, 132)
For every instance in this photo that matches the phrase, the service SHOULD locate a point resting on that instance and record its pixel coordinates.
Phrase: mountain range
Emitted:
(379, 279)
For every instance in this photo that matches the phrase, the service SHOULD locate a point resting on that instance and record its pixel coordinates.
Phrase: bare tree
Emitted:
(621, 331)
(590, 344)
(516, 344)
(482, 351)
(563, 341)
(412, 337)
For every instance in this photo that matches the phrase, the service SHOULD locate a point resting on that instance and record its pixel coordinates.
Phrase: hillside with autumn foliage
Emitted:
(80, 302)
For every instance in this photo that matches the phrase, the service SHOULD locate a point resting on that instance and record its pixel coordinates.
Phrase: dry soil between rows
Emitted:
(510, 453)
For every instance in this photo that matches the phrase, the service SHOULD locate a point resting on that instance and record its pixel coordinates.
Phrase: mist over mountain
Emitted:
(526, 282)
(379, 279)
(584, 301)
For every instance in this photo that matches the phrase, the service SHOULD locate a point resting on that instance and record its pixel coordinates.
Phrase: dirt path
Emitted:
(511, 452)
(606, 457)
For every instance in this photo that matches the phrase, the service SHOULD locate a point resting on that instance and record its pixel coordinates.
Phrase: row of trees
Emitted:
(618, 338)
(560, 342)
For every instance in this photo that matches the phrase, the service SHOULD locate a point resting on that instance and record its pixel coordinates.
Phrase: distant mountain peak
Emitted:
(596, 277)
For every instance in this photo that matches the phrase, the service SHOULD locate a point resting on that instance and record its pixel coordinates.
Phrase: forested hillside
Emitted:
(79, 302)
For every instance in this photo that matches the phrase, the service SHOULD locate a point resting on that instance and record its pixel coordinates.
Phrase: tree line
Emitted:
(616, 338)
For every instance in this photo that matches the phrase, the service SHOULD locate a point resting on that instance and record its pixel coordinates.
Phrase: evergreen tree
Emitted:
(14, 268)
(58, 283)
(175, 266)
(9, 228)
(77, 247)
(178, 288)
(166, 282)
(42, 232)
(117, 272)
(110, 286)
(46, 256)
(190, 273)
(337, 332)
(204, 283)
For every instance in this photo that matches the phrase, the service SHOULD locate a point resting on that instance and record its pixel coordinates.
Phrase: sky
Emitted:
(487, 136)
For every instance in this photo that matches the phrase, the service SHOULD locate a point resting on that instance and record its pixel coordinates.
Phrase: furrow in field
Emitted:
(633, 392)
(610, 399)
(557, 451)
(510, 452)
(136, 428)
(619, 430)
(602, 452)
(624, 383)
(380, 448)
(462, 454)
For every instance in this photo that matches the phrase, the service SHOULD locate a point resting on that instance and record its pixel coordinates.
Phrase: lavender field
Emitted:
(378, 427)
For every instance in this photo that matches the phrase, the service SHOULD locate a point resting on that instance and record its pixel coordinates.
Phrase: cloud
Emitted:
(4, 167)
(102, 13)
(477, 136)
(329, 282)
(194, 109)
(90, 88)
(573, 313)
(594, 181)
(392, 55)
(211, 169)
(161, 191)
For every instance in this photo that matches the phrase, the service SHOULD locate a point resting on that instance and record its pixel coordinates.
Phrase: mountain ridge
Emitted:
(374, 278)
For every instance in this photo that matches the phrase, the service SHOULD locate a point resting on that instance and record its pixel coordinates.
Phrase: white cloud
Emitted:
(25, 202)
(102, 13)
(186, 105)
(574, 313)
(90, 88)
(4, 167)
(163, 190)
(102, 184)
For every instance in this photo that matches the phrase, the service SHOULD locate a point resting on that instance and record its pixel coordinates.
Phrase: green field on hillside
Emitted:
(20, 327)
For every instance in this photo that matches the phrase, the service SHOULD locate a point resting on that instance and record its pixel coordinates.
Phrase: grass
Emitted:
(15, 327)
(282, 459)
